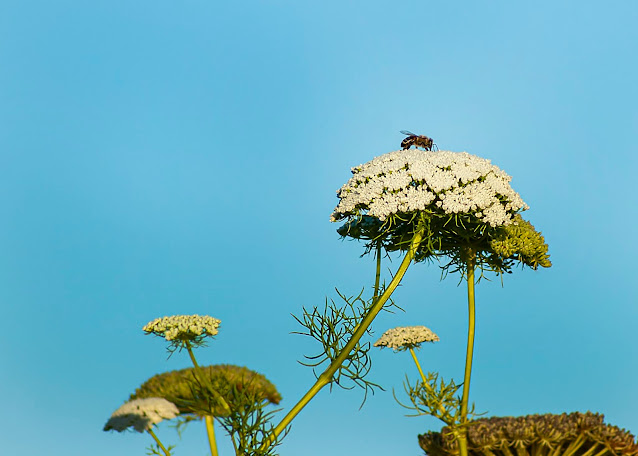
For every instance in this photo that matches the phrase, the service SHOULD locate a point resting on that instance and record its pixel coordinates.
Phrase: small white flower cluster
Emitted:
(405, 337)
(141, 414)
(183, 326)
(412, 180)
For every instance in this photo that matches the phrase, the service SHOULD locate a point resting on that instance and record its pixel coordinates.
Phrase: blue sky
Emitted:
(161, 158)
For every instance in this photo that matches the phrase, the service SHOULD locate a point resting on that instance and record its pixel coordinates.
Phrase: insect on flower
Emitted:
(416, 141)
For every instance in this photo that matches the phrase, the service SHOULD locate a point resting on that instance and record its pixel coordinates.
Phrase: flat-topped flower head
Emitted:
(441, 182)
(184, 328)
(406, 337)
(141, 414)
(458, 203)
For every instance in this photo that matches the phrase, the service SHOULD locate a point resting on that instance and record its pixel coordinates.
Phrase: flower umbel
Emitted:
(141, 414)
(443, 182)
(466, 205)
(184, 328)
(406, 337)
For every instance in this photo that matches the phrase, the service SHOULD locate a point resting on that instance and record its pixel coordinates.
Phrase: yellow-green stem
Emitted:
(418, 366)
(557, 450)
(471, 264)
(204, 380)
(326, 377)
(574, 445)
(377, 276)
(444, 413)
(157, 440)
(602, 452)
(210, 430)
(591, 449)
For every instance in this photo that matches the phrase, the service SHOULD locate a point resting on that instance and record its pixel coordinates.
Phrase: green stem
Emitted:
(377, 277)
(204, 380)
(210, 430)
(444, 416)
(326, 377)
(157, 440)
(471, 263)
(416, 361)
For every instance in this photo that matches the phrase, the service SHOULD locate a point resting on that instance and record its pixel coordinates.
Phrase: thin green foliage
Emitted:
(440, 400)
(181, 423)
(249, 425)
(333, 328)
(155, 449)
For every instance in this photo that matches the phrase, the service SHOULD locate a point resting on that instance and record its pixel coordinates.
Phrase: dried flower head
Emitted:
(182, 328)
(584, 433)
(141, 414)
(441, 182)
(406, 337)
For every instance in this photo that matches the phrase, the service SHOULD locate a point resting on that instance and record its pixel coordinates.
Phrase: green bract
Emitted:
(235, 384)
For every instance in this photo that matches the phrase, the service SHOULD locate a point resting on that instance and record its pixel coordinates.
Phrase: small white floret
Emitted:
(183, 327)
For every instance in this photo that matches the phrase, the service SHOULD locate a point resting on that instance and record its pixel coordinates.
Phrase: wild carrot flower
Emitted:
(406, 337)
(180, 328)
(141, 414)
(464, 205)
(440, 182)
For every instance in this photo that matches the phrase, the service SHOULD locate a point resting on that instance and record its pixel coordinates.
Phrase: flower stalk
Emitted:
(471, 265)
(210, 430)
(428, 387)
(204, 380)
(326, 377)
(159, 444)
(377, 276)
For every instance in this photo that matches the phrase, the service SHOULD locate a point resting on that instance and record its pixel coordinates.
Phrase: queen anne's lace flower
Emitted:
(141, 414)
(411, 180)
(406, 337)
(183, 327)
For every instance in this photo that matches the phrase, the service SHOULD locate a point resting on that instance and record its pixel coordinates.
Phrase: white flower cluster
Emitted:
(141, 414)
(412, 180)
(405, 337)
(183, 326)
